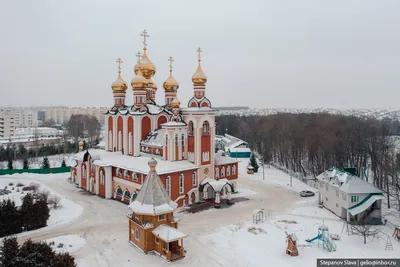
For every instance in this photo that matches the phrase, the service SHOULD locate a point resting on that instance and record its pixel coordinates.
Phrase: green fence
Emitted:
(40, 171)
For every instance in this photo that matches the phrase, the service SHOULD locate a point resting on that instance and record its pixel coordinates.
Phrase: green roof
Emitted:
(365, 199)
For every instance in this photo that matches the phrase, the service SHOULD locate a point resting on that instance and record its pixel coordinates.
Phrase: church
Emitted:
(181, 139)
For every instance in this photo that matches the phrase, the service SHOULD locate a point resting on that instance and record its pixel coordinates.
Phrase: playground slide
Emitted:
(315, 238)
(329, 244)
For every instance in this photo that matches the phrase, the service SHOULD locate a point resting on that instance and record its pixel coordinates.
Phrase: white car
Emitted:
(306, 193)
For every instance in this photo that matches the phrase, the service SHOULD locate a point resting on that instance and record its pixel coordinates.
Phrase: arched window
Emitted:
(168, 185)
(191, 128)
(217, 172)
(183, 140)
(92, 165)
(166, 140)
(119, 172)
(126, 174)
(222, 172)
(234, 169)
(206, 129)
(194, 180)
(181, 183)
(135, 177)
(119, 140)
(102, 177)
(130, 143)
(228, 171)
(176, 140)
(84, 171)
(110, 145)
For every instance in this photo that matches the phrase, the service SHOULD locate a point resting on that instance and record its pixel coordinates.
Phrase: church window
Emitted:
(166, 140)
(119, 140)
(191, 128)
(206, 129)
(137, 234)
(110, 146)
(181, 183)
(135, 177)
(183, 140)
(130, 143)
(101, 177)
(168, 185)
(233, 169)
(126, 174)
(176, 140)
(223, 172)
(119, 172)
(228, 171)
(194, 178)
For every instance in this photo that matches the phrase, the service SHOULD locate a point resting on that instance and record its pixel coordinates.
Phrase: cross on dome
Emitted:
(139, 56)
(119, 61)
(144, 35)
(171, 60)
(199, 54)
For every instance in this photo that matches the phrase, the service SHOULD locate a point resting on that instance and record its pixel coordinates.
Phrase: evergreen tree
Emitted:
(10, 222)
(63, 163)
(35, 254)
(46, 164)
(42, 211)
(27, 212)
(253, 162)
(9, 253)
(10, 163)
(25, 164)
(63, 260)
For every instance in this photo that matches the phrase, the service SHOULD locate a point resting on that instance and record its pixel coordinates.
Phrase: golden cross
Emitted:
(170, 59)
(198, 54)
(119, 61)
(138, 55)
(145, 35)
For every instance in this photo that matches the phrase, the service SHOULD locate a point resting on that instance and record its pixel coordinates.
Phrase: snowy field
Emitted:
(99, 237)
(36, 163)
(66, 243)
(67, 211)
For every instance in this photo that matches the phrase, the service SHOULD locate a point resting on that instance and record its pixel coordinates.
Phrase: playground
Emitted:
(317, 234)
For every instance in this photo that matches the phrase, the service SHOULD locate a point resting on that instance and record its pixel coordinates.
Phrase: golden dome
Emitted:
(119, 86)
(175, 103)
(170, 85)
(199, 78)
(154, 86)
(146, 66)
(139, 82)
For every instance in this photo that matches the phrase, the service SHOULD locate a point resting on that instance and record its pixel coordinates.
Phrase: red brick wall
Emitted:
(205, 147)
(175, 183)
(146, 127)
(161, 120)
(130, 130)
(190, 143)
(231, 176)
(110, 128)
(102, 187)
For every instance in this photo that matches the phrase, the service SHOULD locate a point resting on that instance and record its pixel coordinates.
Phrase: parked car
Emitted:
(307, 193)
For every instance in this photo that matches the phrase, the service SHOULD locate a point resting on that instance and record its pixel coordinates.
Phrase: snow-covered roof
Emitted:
(222, 160)
(152, 198)
(217, 185)
(154, 109)
(347, 182)
(365, 204)
(154, 139)
(239, 149)
(174, 123)
(168, 233)
(135, 164)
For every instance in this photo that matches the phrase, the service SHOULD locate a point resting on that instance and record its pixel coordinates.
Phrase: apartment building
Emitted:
(6, 124)
(62, 114)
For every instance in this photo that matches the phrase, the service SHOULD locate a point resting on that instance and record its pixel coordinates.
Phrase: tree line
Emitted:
(312, 143)
(32, 254)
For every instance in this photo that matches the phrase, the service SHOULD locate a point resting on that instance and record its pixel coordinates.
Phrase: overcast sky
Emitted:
(299, 53)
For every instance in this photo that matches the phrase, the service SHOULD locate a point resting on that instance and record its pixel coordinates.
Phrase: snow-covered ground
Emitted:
(36, 163)
(66, 243)
(64, 214)
(215, 237)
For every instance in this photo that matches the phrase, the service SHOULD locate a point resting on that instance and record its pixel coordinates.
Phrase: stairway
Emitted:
(329, 244)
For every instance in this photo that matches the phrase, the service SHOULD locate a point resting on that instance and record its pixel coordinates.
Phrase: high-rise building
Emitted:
(61, 115)
(7, 125)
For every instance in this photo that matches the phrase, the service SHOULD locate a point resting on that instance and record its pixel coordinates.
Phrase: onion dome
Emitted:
(199, 77)
(170, 85)
(139, 82)
(119, 86)
(146, 66)
(175, 103)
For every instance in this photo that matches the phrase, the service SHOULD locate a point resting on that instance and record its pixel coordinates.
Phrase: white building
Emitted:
(233, 146)
(7, 125)
(349, 197)
(62, 114)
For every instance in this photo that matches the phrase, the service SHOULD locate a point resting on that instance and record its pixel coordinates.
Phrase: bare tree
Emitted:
(49, 123)
(54, 201)
(364, 229)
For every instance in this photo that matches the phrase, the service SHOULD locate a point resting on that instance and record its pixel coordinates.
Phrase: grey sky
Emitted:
(337, 54)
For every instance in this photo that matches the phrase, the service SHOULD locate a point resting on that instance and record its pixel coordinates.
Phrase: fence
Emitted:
(39, 171)
(309, 180)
